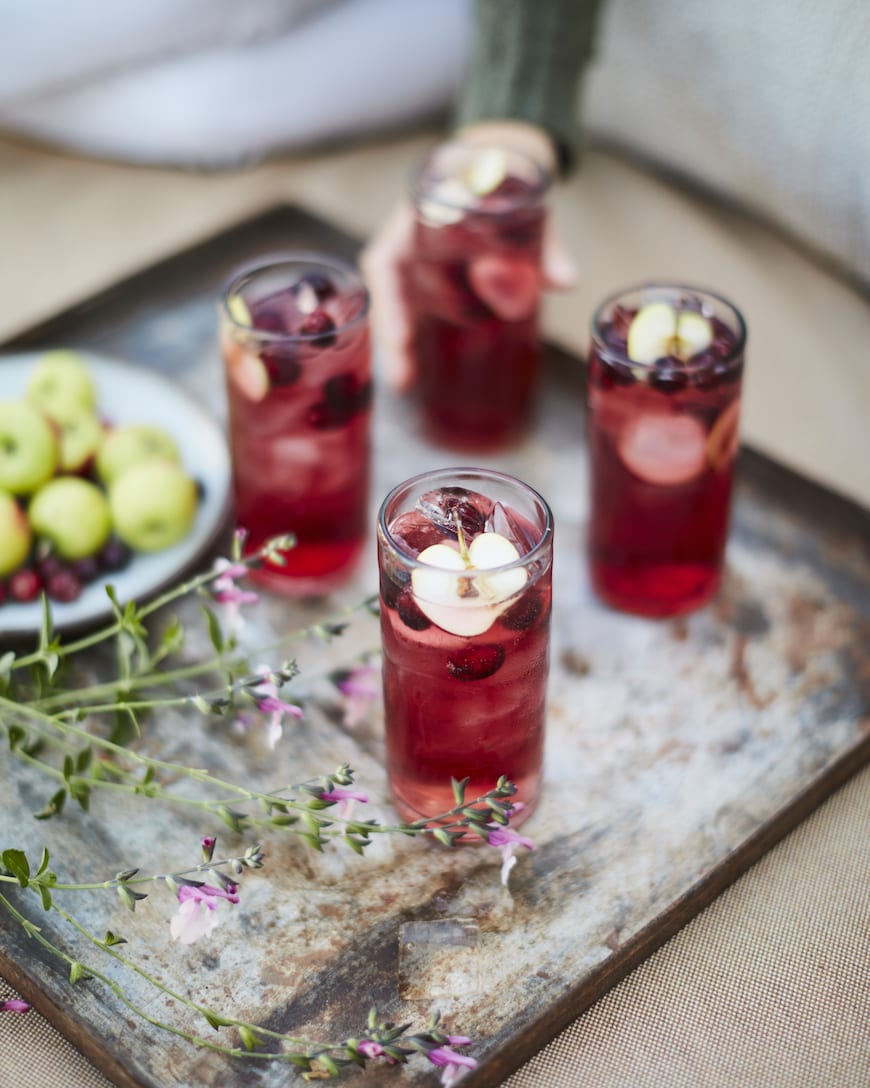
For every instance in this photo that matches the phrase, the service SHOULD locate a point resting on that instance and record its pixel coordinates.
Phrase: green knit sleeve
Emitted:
(527, 62)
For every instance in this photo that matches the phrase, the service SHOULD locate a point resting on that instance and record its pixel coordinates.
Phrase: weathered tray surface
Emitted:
(677, 754)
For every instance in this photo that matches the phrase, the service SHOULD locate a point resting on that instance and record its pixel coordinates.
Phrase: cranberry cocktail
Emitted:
(465, 562)
(295, 339)
(665, 370)
(474, 284)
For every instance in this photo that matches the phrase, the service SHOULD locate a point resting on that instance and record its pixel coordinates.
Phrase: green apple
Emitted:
(129, 445)
(29, 448)
(15, 534)
(81, 437)
(659, 329)
(73, 515)
(153, 505)
(61, 385)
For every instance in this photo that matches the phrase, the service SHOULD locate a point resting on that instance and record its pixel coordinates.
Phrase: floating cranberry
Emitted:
(268, 318)
(281, 365)
(409, 612)
(114, 555)
(319, 325)
(65, 586)
(24, 585)
(443, 508)
(475, 662)
(49, 564)
(3, 593)
(669, 375)
(343, 396)
(320, 284)
(525, 613)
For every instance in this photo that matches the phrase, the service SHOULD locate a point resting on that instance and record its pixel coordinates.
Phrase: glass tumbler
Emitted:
(474, 285)
(295, 341)
(465, 559)
(665, 371)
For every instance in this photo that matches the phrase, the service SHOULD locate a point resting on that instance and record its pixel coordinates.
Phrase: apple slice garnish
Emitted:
(510, 288)
(246, 371)
(486, 171)
(724, 438)
(453, 593)
(658, 330)
(665, 450)
(238, 310)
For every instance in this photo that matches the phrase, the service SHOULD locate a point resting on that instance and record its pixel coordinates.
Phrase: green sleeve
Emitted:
(527, 63)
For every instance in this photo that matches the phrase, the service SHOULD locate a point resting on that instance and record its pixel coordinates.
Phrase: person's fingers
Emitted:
(558, 267)
(383, 262)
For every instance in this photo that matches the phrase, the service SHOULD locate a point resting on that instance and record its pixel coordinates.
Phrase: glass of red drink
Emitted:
(465, 558)
(665, 371)
(295, 341)
(474, 289)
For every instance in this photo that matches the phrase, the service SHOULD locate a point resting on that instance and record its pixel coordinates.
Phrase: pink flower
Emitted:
(453, 1065)
(14, 1005)
(359, 689)
(344, 797)
(197, 911)
(269, 702)
(228, 594)
(507, 840)
(370, 1049)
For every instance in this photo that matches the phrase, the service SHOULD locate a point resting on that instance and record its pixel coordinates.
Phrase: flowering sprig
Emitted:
(60, 733)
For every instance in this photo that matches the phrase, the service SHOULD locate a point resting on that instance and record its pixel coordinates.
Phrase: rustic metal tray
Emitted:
(677, 754)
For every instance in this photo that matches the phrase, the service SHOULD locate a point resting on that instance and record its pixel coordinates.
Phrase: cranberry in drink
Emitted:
(465, 562)
(474, 287)
(295, 341)
(665, 370)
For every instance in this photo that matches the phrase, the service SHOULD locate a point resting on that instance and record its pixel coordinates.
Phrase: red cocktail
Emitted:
(465, 562)
(295, 339)
(474, 285)
(665, 371)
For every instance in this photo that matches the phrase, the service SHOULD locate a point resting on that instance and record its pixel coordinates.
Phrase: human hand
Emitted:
(386, 257)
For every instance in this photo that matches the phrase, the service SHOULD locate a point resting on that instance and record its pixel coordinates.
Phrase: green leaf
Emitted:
(215, 633)
(78, 973)
(249, 1039)
(16, 735)
(45, 896)
(80, 791)
(459, 790)
(18, 865)
(43, 864)
(128, 897)
(7, 660)
(233, 820)
(68, 768)
(111, 939)
(53, 808)
(83, 760)
(216, 1021)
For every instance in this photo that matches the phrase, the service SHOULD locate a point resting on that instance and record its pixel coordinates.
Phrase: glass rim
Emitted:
(535, 196)
(292, 257)
(615, 354)
(460, 474)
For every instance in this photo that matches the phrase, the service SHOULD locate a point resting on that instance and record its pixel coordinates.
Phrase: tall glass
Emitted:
(295, 341)
(665, 371)
(474, 290)
(465, 559)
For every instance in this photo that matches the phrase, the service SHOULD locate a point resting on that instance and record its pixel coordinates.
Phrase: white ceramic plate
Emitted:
(130, 394)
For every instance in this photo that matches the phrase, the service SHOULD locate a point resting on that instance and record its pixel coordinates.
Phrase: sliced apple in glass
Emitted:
(659, 329)
(453, 593)
(664, 450)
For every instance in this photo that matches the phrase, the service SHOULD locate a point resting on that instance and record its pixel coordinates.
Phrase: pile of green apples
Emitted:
(79, 496)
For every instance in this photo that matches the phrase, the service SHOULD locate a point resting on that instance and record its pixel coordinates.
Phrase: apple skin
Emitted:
(15, 534)
(81, 437)
(29, 447)
(130, 445)
(153, 505)
(61, 385)
(73, 515)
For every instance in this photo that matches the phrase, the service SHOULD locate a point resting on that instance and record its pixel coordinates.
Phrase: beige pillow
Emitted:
(766, 102)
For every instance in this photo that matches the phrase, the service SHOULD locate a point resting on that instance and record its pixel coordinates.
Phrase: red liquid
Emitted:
(662, 451)
(474, 288)
(301, 453)
(464, 706)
